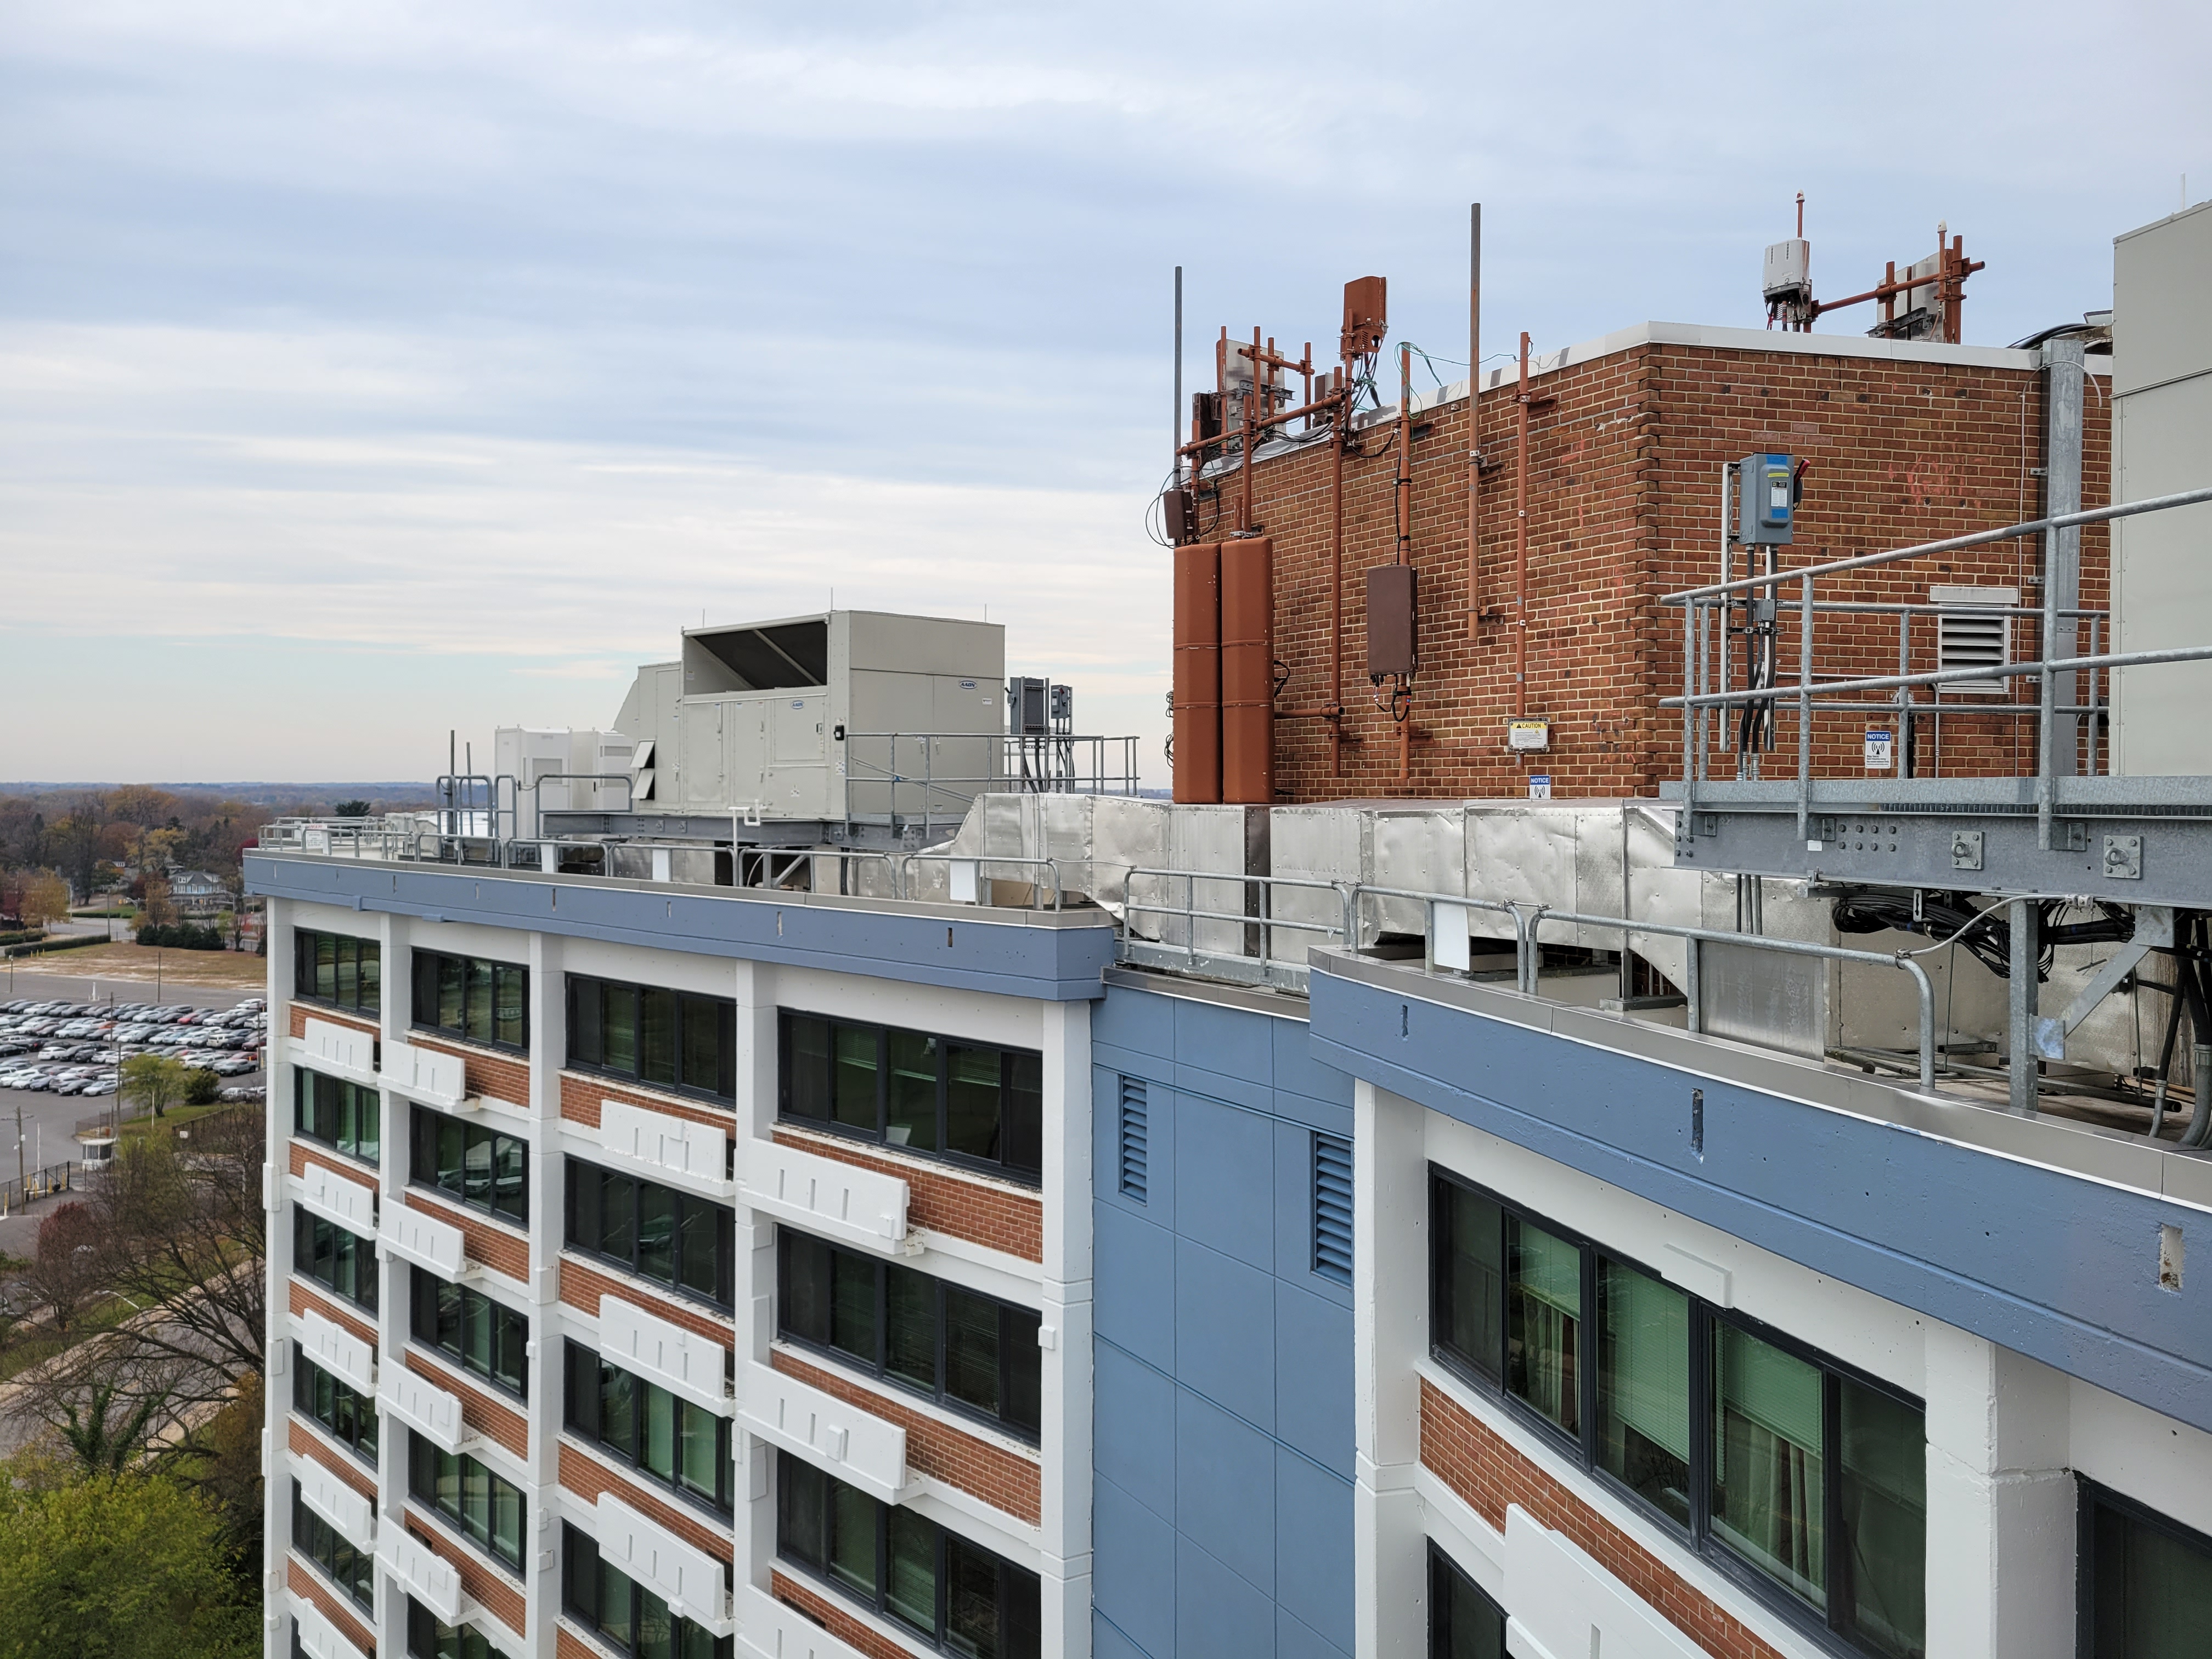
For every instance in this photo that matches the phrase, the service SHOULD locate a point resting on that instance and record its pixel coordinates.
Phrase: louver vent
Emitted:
(1970, 634)
(1332, 1208)
(1136, 1139)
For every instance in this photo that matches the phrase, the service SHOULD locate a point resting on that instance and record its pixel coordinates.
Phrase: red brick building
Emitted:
(1907, 442)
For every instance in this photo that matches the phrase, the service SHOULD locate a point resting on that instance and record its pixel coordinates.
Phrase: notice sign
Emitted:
(1881, 750)
(1540, 786)
(1528, 734)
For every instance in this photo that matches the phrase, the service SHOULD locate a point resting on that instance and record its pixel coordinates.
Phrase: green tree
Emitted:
(117, 1566)
(154, 1081)
(201, 1087)
(351, 808)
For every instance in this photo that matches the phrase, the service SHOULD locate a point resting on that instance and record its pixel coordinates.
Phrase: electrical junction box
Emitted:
(1528, 734)
(1789, 271)
(1765, 492)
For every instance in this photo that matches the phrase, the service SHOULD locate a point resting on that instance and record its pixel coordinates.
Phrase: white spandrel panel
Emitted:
(860, 1448)
(334, 1198)
(427, 1241)
(429, 1075)
(344, 1051)
(682, 1575)
(319, 1638)
(784, 1633)
(425, 1575)
(336, 1502)
(676, 1150)
(823, 1195)
(423, 1405)
(684, 1362)
(336, 1350)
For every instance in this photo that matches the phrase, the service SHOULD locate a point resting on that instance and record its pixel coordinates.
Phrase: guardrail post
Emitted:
(1804, 706)
(1693, 986)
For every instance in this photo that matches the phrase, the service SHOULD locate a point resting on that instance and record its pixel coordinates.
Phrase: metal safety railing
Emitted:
(934, 775)
(966, 874)
(1255, 957)
(1705, 634)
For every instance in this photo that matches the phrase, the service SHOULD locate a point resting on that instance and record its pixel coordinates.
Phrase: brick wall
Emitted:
(1623, 503)
(585, 1476)
(486, 1415)
(305, 1443)
(303, 1154)
(305, 1582)
(485, 1584)
(581, 1287)
(494, 1075)
(302, 1012)
(581, 1096)
(833, 1618)
(1003, 1478)
(566, 1644)
(306, 1300)
(504, 1250)
(1485, 1470)
(943, 1202)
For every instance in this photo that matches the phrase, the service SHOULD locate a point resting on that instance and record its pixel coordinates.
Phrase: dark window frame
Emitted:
(2090, 1496)
(306, 1104)
(1823, 1624)
(1010, 1387)
(1009, 1572)
(305, 1373)
(322, 1543)
(305, 1224)
(422, 1452)
(425, 1125)
(423, 1627)
(1023, 1142)
(305, 963)
(582, 1414)
(579, 1553)
(583, 1188)
(424, 1290)
(423, 975)
(1439, 1632)
(586, 1054)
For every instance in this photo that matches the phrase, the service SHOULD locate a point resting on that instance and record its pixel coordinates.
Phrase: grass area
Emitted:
(166, 1127)
(229, 970)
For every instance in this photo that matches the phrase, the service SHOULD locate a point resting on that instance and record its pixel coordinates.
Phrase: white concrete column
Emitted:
(277, 1388)
(1391, 1333)
(549, 1048)
(1064, 1437)
(2001, 1503)
(753, 1522)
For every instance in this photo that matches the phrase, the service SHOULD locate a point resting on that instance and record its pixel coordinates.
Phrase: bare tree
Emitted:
(65, 1272)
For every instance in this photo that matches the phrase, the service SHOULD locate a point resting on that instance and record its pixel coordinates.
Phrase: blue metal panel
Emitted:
(1133, 1418)
(1225, 1196)
(1142, 1023)
(1051, 963)
(1226, 1040)
(2053, 1265)
(1313, 1547)
(1133, 1574)
(1218, 1614)
(1225, 1480)
(1296, 1639)
(1313, 1376)
(1107, 1640)
(1225, 1332)
(1153, 1067)
(1136, 1268)
(1296, 1070)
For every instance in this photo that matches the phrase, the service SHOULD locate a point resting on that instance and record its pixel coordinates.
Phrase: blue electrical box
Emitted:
(1766, 499)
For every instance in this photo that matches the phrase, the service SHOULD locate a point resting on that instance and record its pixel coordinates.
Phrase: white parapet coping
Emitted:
(332, 1196)
(423, 1405)
(421, 1572)
(825, 1196)
(687, 1578)
(861, 1449)
(684, 1362)
(336, 1350)
(671, 1149)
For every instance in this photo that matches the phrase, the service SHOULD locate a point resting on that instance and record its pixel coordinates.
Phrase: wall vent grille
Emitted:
(1332, 1207)
(1135, 1137)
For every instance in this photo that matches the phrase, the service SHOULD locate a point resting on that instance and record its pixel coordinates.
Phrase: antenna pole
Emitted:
(1175, 418)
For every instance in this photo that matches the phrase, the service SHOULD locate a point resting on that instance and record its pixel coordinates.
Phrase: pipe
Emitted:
(1175, 423)
(1251, 434)
(2166, 1055)
(1248, 656)
(2191, 964)
(1404, 716)
(1336, 442)
(1198, 672)
(1473, 418)
(1521, 542)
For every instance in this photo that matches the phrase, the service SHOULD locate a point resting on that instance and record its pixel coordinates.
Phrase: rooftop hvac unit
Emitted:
(1972, 630)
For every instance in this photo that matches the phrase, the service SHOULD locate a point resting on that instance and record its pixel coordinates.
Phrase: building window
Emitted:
(2145, 1582)
(676, 1240)
(668, 1039)
(429, 1637)
(963, 1103)
(345, 1116)
(348, 1417)
(957, 1594)
(1332, 1207)
(338, 969)
(1464, 1622)
(471, 1164)
(1810, 1481)
(970, 1351)
(623, 1613)
(467, 997)
(353, 1571)
(1135, 1137)
(338, 1260)
(486, 1508)
(678, 1442)
(476, 1332)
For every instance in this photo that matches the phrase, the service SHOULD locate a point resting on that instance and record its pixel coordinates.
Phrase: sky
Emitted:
(372, 370)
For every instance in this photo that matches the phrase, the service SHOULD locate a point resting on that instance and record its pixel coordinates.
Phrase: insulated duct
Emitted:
(1197, 673)
(1247, 672)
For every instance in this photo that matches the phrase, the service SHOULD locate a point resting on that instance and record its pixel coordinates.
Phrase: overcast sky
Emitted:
(371, 369)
